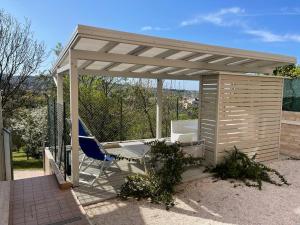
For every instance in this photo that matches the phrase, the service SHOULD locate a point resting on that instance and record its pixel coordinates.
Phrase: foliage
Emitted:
(117, 109)
(99, 107)
(58, 49)
(166, 165)
(20, 161)
(30, 127)
(20, 56)
(291, 71)
(237, 165)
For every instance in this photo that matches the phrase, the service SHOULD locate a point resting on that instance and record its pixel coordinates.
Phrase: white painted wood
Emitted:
(7, 152)
(60, 88)
(60, 101)
(249, 118)
(199, 109)
(175, 44)
(136, 75)
(281, 115)
(63, 69)
(140, 60)
(159, 107)
(217, 117)
(92, 35)
(209, 116)
(2, 153)
(74, 118)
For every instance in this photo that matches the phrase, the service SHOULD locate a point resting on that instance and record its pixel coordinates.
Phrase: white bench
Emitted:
(184, 131)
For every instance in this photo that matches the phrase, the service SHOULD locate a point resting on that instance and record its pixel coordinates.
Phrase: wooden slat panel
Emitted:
(245, 144)
(208, 113)
(249, 116)
(246, 91)
(255, 150)
(250, 87)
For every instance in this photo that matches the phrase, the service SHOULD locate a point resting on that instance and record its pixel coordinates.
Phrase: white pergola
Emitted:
(102, 52)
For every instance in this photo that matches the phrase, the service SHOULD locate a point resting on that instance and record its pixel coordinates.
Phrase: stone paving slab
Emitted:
(22, 174)
(108, 186)
(4, 202)
(39, 201)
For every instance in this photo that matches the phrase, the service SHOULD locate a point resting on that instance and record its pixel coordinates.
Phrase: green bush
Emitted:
(237, 165)
(166, 165)
(30, 126)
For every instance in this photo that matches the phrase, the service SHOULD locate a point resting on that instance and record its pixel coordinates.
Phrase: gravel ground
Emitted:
(207, 202)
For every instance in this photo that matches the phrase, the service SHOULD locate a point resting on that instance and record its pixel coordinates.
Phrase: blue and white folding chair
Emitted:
(94, 153)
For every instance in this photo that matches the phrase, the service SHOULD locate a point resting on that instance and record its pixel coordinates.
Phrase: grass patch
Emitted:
(20, 161)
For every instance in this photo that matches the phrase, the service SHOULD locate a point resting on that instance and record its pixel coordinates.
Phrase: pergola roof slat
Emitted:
(122, 51)
(121, 58)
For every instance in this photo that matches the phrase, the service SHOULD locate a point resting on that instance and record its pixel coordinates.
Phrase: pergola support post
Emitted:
(159, 108)
(60, 101)
(60, 88)
(199, 108)
(74, 119)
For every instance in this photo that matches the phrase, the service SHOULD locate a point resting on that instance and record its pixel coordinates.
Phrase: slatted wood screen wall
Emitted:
(208, 115)
(244, 111)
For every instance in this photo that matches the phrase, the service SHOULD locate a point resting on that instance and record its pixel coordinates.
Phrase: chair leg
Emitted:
(84, 157)
(117, 165)
(143, 161)
(100, 173)
(88, 165)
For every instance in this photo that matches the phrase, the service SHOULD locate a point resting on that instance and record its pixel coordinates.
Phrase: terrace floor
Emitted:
(114, 177)
(39, 201)
(208, 202)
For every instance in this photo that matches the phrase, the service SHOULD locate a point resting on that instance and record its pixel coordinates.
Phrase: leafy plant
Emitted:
(292, 71)
(237, 165)
(166, 165)
(30, 127)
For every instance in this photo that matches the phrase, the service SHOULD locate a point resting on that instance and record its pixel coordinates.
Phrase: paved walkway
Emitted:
(39, 201)
(22, 174)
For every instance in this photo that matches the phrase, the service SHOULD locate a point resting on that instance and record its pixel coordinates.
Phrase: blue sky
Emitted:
(271, 26)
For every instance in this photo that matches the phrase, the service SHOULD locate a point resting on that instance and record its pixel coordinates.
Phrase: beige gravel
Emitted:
(206, 202)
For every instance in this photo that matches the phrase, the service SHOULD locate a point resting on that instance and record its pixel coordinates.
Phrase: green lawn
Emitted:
(20, 161)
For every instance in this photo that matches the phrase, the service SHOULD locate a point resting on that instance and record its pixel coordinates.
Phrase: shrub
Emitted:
(166, 165)
(237, 165)
(30, 126)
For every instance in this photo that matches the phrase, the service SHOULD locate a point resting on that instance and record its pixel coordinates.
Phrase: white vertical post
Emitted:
(74, 119)
(7, 153)
(199, 108)
(159, 108)
(2, 154)
(60, 88)
(60, 101)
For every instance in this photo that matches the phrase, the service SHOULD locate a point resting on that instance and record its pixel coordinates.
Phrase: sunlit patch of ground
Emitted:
(208, 202)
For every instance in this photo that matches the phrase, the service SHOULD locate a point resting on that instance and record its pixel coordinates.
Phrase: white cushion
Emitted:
(184, 130)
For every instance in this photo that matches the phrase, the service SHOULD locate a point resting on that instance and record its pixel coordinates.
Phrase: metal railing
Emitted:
(58, 138)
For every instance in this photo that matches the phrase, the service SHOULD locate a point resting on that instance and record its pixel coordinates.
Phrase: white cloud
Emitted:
(234, 16)
(287, 11)
(268, 36)
(150, 28)
(265, 36)
(218, 18)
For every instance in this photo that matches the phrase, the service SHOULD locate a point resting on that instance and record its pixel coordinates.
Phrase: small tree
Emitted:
(30, 126)
(292, 71)
(20, 57)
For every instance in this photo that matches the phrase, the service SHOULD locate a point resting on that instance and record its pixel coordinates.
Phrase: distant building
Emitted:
(189, 102)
